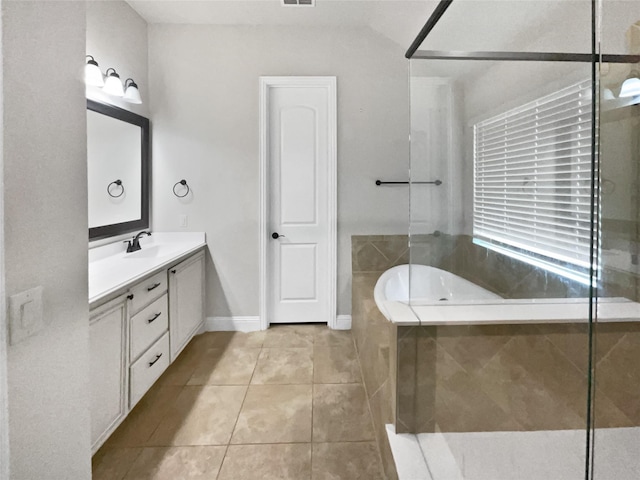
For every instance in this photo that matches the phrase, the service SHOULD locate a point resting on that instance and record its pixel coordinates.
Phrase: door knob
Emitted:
(276, 235)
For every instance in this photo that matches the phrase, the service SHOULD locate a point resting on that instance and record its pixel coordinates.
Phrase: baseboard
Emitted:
(343, 322)
(232, 324)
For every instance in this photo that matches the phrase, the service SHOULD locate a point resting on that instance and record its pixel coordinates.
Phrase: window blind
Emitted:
(532, 179)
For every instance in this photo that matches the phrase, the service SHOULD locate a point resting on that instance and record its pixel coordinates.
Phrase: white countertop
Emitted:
(552, 310)
(111, 268)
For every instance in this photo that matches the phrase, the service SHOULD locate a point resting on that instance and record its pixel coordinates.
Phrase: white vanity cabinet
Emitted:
(108, 368)
(149, 334)
(186, 301)
(136, 335)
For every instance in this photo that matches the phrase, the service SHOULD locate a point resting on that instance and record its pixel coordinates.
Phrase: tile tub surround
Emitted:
(387, 353)
(373, 334)
(111, 269)
(515, 377)
(375, 344)
(243, 406)
(508, 277)
(494, 271)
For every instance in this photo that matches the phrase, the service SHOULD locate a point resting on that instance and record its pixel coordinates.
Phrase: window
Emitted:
(532, 179)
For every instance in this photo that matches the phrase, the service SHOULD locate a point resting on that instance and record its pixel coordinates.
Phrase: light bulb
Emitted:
(630, 87)
(132, 94)
(92, 73)
(113, 84)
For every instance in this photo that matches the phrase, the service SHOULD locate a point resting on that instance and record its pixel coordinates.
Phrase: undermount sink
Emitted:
(155, 251)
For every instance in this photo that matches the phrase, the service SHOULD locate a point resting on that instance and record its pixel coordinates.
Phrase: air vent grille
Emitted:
(298, 3)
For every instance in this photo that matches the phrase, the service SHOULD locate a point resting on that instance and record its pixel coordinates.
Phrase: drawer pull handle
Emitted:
(151, 320)
(153, 287)
(151, 364)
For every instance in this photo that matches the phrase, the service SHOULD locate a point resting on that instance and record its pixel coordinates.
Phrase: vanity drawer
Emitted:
(147, 291)
(146, 370)
(148, 325)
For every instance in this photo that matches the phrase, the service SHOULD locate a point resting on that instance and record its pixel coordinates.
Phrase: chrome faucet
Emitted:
(134, 244)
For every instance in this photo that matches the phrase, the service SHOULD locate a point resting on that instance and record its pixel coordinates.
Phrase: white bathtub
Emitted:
(438, 297)
(425, 285)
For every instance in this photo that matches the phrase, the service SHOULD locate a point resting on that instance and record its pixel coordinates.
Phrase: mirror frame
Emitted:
(142, 223)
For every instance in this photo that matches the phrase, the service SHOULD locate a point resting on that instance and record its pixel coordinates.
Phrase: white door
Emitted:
(300, 147)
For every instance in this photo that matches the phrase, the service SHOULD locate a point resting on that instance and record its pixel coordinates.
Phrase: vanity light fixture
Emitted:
(131, 92)
(113, 84)
(631, 86)
(92, 73)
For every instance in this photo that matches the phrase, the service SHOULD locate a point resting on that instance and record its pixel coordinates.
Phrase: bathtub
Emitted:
(438, 297)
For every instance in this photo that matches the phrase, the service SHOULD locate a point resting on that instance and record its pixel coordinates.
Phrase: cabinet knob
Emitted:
(130, 297)
(173, 271)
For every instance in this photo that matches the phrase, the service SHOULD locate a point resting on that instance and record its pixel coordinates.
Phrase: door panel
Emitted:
(298, 287)
(298, 141)
(298, 175)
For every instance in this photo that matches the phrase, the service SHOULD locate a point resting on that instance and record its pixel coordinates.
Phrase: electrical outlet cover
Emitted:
(25, 314)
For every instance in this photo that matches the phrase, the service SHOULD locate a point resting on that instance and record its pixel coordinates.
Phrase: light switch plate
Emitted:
(184, 220)
(25, 314)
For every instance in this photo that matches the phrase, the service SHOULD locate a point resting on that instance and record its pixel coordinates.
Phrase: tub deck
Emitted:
(505, 312)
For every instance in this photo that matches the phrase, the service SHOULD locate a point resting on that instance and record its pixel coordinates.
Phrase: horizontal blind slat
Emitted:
(532, 176)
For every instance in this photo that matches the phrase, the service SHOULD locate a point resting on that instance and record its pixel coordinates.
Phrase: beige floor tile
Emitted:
(180, 371)
(341, 413)
(267, 462)
(333, 338)
(220, 366)
(275, 414)
(230, 340)
(113, 463)
(145, 417)
(290, 336)
(346, 461)
(284, 366)
(200, 416)
(336, 365)
(173, 463)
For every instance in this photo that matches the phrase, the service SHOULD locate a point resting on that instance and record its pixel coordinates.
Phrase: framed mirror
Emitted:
(118, 170)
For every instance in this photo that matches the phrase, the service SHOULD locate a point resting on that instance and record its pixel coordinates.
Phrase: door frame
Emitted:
(4, 382)
(266, 84)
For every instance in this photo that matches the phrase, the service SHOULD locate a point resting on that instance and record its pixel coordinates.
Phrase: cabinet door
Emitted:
(107, 340)
(186, 297)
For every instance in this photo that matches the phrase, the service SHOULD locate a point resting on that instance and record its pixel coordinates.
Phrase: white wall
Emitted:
(117, 38)
(45, 209)
(204, 105)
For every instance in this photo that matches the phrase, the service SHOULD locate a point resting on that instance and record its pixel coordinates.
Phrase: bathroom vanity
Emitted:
(145, 307)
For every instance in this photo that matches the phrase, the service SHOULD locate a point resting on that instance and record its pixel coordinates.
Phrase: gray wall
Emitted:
(45, 217)
(204, 107)
(117, 38)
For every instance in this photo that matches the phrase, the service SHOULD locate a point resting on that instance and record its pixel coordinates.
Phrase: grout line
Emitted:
(124, 476)
(246, 393)
(367, 398)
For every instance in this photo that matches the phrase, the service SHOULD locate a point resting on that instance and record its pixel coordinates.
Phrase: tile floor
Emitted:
(287, 403)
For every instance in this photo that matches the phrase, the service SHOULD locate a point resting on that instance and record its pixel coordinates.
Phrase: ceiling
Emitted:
(470, 25)
(399, 20)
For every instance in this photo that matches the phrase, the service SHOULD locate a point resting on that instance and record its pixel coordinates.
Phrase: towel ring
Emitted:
(184, 184)
(119, 184)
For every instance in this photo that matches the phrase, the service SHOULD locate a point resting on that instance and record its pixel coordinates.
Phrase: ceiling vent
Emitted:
(298, 3)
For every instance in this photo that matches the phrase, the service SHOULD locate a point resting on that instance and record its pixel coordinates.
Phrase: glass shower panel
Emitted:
(616, 358)
(513, 26)
(500, 249)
